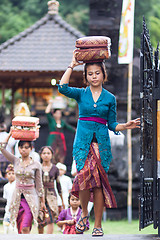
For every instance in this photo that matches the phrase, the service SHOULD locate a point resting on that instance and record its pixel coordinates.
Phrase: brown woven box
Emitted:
(93, 49)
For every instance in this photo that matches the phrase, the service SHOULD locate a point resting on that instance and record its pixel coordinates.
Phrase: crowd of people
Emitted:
(37, 183)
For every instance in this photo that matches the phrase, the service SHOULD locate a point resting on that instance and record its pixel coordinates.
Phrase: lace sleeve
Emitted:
(38, 181)
(70, 92)
(112, 117)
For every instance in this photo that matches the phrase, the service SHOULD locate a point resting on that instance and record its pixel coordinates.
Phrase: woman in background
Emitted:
(56, 138)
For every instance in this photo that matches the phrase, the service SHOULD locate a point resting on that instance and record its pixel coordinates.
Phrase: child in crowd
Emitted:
(68, 218)
(50, 174)
(7, 194)
(66, 184)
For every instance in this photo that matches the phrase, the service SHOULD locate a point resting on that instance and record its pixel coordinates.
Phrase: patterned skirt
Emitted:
(24, 218)
(93, 176)
(51, 216)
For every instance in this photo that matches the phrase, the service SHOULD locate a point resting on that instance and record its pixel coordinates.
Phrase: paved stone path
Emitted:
(77, 237)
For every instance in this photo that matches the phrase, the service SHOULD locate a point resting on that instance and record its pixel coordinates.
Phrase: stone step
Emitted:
(77, 237)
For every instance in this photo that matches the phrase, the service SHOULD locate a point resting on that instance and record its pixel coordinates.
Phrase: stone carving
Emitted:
(53, 7)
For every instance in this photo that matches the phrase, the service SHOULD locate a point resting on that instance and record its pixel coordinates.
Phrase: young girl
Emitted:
(91, 148)
(68, 217)
(29, 188)
(49, 173)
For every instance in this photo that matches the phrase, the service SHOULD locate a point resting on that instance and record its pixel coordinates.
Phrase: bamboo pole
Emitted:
(129, 144)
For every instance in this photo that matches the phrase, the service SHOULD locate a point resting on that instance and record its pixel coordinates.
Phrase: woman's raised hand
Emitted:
(74, 62)
(66, 76)
(133, 124)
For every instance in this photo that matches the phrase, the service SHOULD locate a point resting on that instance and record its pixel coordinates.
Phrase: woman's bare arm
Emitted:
(48, 108)
(129, 125)
(10, 157)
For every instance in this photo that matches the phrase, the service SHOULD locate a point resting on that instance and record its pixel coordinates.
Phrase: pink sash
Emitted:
(25, 186)
(62, 137)
(94, 119)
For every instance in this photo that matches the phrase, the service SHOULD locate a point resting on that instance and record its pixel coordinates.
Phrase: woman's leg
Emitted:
(25, 230)
(84, 197)
(50, 228)
(98, 206)
(41, 230)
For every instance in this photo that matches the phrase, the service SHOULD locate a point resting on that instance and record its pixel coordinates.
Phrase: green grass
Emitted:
(124, 227)
(110, 227)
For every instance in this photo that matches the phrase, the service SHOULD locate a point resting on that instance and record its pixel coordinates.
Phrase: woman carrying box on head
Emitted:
(29, 193)
(91, 148)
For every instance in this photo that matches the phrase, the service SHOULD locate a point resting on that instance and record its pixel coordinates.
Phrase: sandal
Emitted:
(97, 232)
(82, 224)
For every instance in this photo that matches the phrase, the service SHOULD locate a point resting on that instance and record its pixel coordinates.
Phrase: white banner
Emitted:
(126, 34)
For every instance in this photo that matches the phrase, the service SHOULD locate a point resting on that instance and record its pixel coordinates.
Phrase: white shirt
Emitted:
(73, 167)
(66, 186)
(8, 190)
(116, 140)
(11, 143)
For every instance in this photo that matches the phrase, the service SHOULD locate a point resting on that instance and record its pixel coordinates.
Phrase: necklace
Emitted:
(46, 167)
(46, 170)
(25, 163)
(74, 214)
(96, 92)
(58, 125)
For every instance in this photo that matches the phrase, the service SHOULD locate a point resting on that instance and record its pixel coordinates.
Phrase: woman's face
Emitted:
(25, 150)
(94, 75)
(74, 202)
(58, 114)
(46, 155)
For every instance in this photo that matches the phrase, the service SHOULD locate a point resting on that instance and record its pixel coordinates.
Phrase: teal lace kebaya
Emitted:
(105, 108)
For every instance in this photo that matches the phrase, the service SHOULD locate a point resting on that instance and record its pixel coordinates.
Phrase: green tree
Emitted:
(76, 13)
(35, 8)
(151, 11)
(17, 15)
(12, 21)
(154, 23)
(79, 20)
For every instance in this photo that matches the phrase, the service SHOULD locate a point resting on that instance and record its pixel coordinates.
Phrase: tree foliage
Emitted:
(151, 11)
(17, 15)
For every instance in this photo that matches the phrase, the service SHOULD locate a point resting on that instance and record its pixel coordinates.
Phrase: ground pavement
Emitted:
(77, 237)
